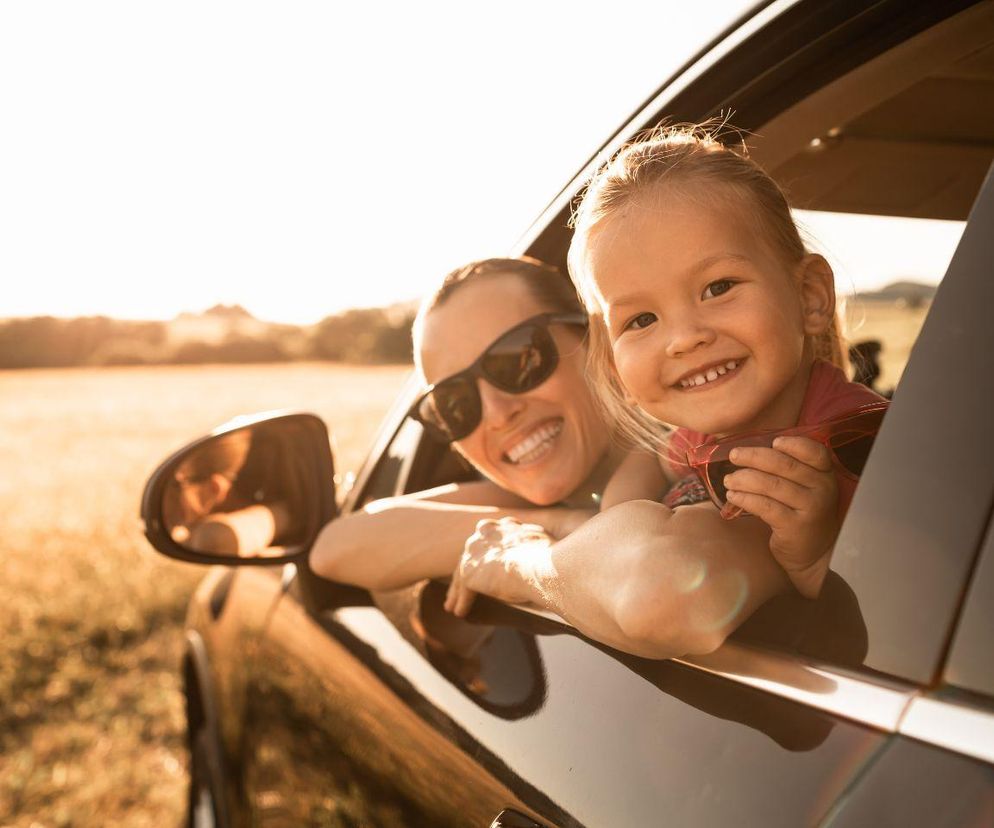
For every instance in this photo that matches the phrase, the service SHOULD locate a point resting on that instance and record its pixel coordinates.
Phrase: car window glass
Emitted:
(887, 269)
(385, 480)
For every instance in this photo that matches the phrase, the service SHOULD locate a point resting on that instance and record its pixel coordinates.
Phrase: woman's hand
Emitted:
(792, 488)
(499, 560)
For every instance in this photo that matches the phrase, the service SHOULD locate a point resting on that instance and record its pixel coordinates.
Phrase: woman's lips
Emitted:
(536, 444)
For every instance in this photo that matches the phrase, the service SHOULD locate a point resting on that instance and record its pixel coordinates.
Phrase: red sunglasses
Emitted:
(849, 436)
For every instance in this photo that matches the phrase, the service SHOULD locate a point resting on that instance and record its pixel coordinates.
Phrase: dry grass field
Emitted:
(897, 327)
(91, 717)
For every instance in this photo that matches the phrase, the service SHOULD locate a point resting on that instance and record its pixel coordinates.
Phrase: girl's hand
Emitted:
(792, 488)
(496, 562)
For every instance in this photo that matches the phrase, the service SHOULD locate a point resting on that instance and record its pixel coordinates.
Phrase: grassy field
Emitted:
(91, 716)
(896, 327)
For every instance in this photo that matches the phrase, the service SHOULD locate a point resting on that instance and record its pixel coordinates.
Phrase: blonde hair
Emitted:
(686, 159)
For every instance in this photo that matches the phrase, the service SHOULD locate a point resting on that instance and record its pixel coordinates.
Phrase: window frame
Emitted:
(786, 53)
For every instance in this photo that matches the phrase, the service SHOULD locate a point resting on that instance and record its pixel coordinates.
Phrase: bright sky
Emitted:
(299, 158)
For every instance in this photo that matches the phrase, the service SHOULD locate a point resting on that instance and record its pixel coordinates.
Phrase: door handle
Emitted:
(509, 818)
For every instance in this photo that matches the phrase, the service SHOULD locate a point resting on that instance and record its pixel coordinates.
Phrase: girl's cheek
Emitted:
(628, 366)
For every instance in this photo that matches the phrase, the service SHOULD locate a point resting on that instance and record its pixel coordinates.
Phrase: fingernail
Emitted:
(733, 455)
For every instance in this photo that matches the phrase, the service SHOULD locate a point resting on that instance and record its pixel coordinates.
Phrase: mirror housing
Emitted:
(255, 491)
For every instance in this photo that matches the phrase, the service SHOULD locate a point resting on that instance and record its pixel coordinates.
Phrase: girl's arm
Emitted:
(638, 477)
(641, 578)
(397, 541)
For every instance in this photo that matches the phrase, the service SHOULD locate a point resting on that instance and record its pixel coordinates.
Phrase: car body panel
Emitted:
(613, 740)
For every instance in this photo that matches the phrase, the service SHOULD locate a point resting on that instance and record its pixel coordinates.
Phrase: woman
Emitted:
(619, 578)
(544, 451)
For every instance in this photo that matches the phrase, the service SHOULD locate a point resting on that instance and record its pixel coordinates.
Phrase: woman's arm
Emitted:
(640, 577)
(397, 541)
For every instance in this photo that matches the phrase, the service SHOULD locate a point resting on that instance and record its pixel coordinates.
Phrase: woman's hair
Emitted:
(546, 284)
(691, 161)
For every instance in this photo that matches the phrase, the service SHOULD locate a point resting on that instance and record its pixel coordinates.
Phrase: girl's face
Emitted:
(707, 325)
(544, 444)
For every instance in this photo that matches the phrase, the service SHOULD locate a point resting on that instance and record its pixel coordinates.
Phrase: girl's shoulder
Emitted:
(673, 457)
(830, 393)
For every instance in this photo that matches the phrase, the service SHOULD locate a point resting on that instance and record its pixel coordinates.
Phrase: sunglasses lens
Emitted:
(716, 471)
(852, 453)
(520, 360)
(453, 408)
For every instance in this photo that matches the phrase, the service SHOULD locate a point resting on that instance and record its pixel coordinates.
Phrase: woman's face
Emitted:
(553, 432)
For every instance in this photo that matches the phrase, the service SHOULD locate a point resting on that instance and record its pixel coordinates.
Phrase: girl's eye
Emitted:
(643, 320)
(717, 288)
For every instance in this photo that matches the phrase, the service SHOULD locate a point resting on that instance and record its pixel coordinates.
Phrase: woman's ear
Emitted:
(817, 284)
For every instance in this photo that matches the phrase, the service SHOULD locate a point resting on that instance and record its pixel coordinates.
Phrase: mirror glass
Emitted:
(240, 494)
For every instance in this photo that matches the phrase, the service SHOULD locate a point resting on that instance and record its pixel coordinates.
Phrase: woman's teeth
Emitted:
(710, 375)
(535, 444)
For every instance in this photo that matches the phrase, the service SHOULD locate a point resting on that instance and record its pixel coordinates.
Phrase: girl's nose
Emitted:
(687, 335)
(499, 407)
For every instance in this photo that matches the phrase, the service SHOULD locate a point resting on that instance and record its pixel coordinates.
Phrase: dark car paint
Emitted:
(337, 715)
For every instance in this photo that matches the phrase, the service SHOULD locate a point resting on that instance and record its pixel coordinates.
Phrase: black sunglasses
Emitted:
(519, 360)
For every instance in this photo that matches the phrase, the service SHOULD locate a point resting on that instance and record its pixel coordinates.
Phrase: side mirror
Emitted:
(255, 491)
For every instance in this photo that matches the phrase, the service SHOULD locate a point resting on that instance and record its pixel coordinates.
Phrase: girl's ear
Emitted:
(817, 283)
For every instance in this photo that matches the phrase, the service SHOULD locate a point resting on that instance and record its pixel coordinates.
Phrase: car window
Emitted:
(885, 164)
(887, 156)
(887, 269)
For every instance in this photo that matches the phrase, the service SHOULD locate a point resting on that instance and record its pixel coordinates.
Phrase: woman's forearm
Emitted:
(398, 541)
(656, 582)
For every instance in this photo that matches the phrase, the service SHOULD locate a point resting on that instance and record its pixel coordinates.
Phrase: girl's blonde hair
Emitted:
(686, 159)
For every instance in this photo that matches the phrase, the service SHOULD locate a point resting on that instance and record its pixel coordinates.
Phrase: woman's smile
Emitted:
(536, 444)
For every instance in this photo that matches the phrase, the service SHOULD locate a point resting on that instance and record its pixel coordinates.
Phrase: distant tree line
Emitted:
(365, 336)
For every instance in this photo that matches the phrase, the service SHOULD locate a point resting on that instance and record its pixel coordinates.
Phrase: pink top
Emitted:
(828, 395)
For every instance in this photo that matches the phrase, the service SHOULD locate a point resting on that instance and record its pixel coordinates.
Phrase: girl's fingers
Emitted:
(779, 463)
(771, 486)
(772, 512)
(808, 451)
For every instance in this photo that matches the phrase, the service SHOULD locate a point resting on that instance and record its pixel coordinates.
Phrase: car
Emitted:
(316, 703)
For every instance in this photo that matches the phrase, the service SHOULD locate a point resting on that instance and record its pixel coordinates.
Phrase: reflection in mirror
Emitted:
(238, 495)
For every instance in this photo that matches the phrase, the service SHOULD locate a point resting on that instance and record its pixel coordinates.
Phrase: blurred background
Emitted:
(214, 208)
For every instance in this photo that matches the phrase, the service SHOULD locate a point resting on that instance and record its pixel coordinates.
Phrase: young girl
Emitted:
(709, 315)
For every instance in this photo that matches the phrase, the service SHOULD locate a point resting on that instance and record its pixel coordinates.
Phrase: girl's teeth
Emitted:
(711, 375)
